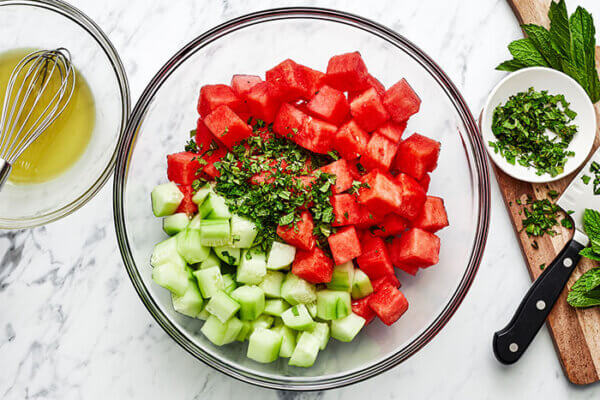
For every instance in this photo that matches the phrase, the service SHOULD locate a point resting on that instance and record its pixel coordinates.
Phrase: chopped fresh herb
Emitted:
(334, 154)
(586, 179)
(542, 266)
(567, 223)
(535, 245)
(191, 146)
(595, 170)
(553, 194)
(541, 216)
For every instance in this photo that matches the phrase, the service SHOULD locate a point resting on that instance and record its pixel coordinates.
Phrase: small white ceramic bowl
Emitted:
(555, 82)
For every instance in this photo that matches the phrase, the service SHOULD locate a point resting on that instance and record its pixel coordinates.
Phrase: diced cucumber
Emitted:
(243, 232)
(245, 331)
(222, 306)
(345, 329)
(306, 351)
(214, 232)
(166, 252)
(296, 290)
(298, 318)
(191, 302)
(203, 314)
(228, 254)
(342, 277)
(229, 283)
(220, 333)
(289, 340)
(271, 284)
(333, 304)
(165, 199)
(171, 277)
(263, 321)
(281, 256)
(195, 222)
(175, 223)
(312, 309)
(211, 261)
(264, 345)
(321, 332)
(361, 285)
(201, 194)
(251, 300)
(214, 207)
(252, 268)
(210, 281)
(188, 245)
(276, 307)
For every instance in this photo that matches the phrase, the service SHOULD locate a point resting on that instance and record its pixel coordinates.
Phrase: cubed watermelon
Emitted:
(425, 182)
(344, 245)
(417, 248)
(204, 137)
(299, 234)
(351, 140)
(187, 205)
(343, 173)
(374, 260)
(314, 80)
(313, 266)
(411, 195)
(264, 100)
(321, 135)
(329, 105)
(361, 308)
(433, 215)
(346, 209)
(214, 96)
(401, 101)
(210, 156)
(374, 83)
(417, 155)
(380, 194)
(347, 72)
(368, 218)
(290, 79)
(227, 126)
(392, 130)
(392, 224)
(379, 153)
(368, 111)
(291, 123)
(385, 280)
(241, 84)
(182, 167)
(388, 303)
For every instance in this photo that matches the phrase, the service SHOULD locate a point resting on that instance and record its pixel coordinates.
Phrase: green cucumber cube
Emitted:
(281, 256)
(175, 223)
(243, 232)
(222, 306)
(264, 345)
(342, 277)
(306, 351)
(214, 232)
(298, 318)
(296, 290)
(321, 332)
(203, 315)
(345, 329)
(220, 333)
(361, 285)
(251, 300)
(201, 194)
(191, 302)
(263, 321)
(271, 284)
(171, 277)
(214, 207)
(195, 222)
(229, 283)
(211, 261)
(166, 252)
(333, 304)
(188, 245)
(245, 331)
(165, 199)
(289, 340)
(312, 309)
(252, 268)
(275, 307)
(228, 254)
(210, 281)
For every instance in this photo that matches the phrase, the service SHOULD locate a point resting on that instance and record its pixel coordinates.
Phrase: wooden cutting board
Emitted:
(576, 333)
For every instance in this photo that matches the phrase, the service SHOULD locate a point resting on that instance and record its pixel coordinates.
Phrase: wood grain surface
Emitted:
(576, 333)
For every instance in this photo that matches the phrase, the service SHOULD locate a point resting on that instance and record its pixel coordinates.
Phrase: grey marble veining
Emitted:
(72, 326)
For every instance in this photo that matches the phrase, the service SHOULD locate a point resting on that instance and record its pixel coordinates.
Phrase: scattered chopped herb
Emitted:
(567, 223)
(334, 154)
(594, 169)
(586, 179)
(553, 194)
(541, 216)
(542, 266)
(535, 245)
(191, 146)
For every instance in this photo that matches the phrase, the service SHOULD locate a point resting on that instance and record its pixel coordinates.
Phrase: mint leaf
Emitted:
(581, 299)
(589, 253)
(511, 65)
(540, 37)
(591, 224)
(559, 28)
(586, 291)
(583, 44)
(525, 51)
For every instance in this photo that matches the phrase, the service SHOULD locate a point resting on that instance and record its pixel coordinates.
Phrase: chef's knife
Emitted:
(511, 342)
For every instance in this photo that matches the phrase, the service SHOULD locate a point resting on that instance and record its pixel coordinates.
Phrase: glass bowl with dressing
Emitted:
(75, 156)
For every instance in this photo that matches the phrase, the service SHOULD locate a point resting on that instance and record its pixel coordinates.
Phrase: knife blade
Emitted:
(510, 343)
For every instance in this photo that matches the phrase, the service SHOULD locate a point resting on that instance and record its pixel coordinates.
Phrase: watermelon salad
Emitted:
(297, 202)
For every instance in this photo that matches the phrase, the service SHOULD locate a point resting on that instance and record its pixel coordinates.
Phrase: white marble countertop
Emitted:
(72, 326)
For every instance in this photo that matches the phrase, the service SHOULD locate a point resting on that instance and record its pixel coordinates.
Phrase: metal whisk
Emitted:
(23, 117)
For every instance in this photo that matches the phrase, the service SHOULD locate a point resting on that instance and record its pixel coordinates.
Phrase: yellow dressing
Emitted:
(63, 143)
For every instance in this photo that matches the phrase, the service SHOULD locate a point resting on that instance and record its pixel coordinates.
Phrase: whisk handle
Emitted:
(5, 168)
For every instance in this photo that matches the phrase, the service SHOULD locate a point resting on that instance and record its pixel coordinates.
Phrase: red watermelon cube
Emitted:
(433, 215)
(182, 167)
(424, 182)
(392, 130)
(227, 126)
(374, 83)
(343, 173)
(329, 105)
(344, 245)
(300, 233)
(320, 135)
(346, 210)
(204, 137)
(350, 140)
(388, 303)
(417, 248)
(347, 72)
(313, 266)
(385, 280)
(417, 155)
(314, 80)
(241, 84)
(374, 260)
(187, 205)
(214, 96)
(379, 153)
(361, 308)
(392, 224)
(380, 194)
(264, 100)
(368, 111)
(290, 79)
(411, 195)
(401, 101)
(291, 123)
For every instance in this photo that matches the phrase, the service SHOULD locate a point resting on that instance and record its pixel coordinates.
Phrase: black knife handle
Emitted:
(511, 342)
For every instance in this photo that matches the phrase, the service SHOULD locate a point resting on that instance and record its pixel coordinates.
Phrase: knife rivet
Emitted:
(540, 305)
(513, 347)
(567, 262)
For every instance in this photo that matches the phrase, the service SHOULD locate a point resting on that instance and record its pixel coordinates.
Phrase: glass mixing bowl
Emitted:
(49, 24)
(166, 112)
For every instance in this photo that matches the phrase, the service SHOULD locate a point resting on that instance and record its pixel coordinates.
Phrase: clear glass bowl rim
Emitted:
(475, 142)
(78, 17)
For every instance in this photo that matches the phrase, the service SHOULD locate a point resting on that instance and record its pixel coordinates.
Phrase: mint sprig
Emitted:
(586, 291)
